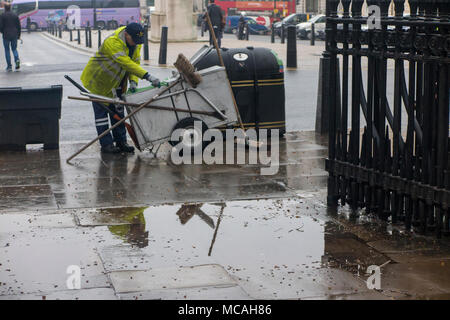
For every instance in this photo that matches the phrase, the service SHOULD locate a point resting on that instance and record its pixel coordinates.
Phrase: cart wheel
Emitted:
(191, 136)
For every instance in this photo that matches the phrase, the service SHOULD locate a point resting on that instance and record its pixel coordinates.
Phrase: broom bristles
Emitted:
(185, 67)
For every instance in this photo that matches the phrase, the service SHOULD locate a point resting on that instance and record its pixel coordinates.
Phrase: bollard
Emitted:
(163, 46)
(291, 47)
(247, 31)
(79, 36)
(313, 34)
(323, 95)
(71, 37)
(203, 28)
(272, 35)
(90, 37)
(146, 53)
(86, 37)
(99, 37)
(282, 34)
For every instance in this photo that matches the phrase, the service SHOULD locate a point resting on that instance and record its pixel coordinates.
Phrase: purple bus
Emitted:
(76, 13)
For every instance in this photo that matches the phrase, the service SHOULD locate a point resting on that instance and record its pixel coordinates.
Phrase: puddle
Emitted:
(278, 248)
(272, 248)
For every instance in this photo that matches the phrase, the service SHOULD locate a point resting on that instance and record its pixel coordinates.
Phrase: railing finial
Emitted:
(357, 8)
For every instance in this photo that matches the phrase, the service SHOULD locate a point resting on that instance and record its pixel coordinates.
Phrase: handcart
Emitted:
(211, 103)
(155, 113)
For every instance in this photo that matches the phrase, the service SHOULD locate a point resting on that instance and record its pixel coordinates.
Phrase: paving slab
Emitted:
(171, 278)
(108, 216)
(18, 204)
(101, 198)
(82, 294)
(28, 191)
(205, 293)
(22, 181)
(125, 257)
(419, 280)
(36, 260)
(22, 222)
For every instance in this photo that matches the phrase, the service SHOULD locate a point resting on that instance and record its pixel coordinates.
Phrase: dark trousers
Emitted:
(218, 34)
(241, 31)
(102, 119)
(7, 44)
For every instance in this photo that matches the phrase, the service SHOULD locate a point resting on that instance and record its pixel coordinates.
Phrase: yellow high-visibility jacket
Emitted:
(135, 218)
(111, 64)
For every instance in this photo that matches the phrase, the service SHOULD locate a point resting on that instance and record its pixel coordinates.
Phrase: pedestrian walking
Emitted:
(10, 28)
(108, 72)
(217, 21)
(241, 26)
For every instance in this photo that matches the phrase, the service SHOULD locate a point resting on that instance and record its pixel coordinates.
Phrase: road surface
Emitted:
(45, 62)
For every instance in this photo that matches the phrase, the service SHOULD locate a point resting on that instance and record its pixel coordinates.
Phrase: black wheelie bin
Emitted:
(257, 78)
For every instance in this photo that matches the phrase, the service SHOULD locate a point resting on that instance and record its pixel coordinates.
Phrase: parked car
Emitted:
(304, 28)
(255, 28)
(291, 20)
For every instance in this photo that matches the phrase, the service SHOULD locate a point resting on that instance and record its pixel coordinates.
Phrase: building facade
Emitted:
(311, 6)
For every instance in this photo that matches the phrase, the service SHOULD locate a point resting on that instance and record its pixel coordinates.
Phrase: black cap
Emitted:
(136, 31)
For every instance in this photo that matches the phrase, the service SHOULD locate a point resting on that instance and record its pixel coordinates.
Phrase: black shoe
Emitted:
(124, 147)
(110, 149)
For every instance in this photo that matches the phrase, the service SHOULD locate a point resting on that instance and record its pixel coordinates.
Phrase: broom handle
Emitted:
(142, 106)
(149, 107)
(213, 36)
(219, 54)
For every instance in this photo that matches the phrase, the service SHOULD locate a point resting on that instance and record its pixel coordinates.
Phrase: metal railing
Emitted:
(389, 113)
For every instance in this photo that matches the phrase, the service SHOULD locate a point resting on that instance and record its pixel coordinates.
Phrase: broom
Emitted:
(185, 68)
(254, 144)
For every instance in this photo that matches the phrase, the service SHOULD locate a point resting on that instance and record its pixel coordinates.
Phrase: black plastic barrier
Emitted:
(30, 116)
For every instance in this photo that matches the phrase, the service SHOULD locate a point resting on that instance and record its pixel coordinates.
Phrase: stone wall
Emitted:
(178, 16)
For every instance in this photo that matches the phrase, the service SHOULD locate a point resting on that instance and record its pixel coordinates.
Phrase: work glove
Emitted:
(133, 86)
(154, 81)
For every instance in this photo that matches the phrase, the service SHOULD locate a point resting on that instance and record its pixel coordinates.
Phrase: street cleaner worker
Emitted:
(107, 73)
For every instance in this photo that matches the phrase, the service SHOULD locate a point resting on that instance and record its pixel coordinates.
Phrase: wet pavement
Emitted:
(140, 227)
(43, 180)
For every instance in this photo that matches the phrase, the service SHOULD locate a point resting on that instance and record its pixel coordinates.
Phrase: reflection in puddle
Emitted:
(246, 234)
(133, 229)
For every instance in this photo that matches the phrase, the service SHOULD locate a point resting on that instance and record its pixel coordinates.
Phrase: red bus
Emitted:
(281, 8)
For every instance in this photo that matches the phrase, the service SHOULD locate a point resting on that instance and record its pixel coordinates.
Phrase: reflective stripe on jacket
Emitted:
(111, 64)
